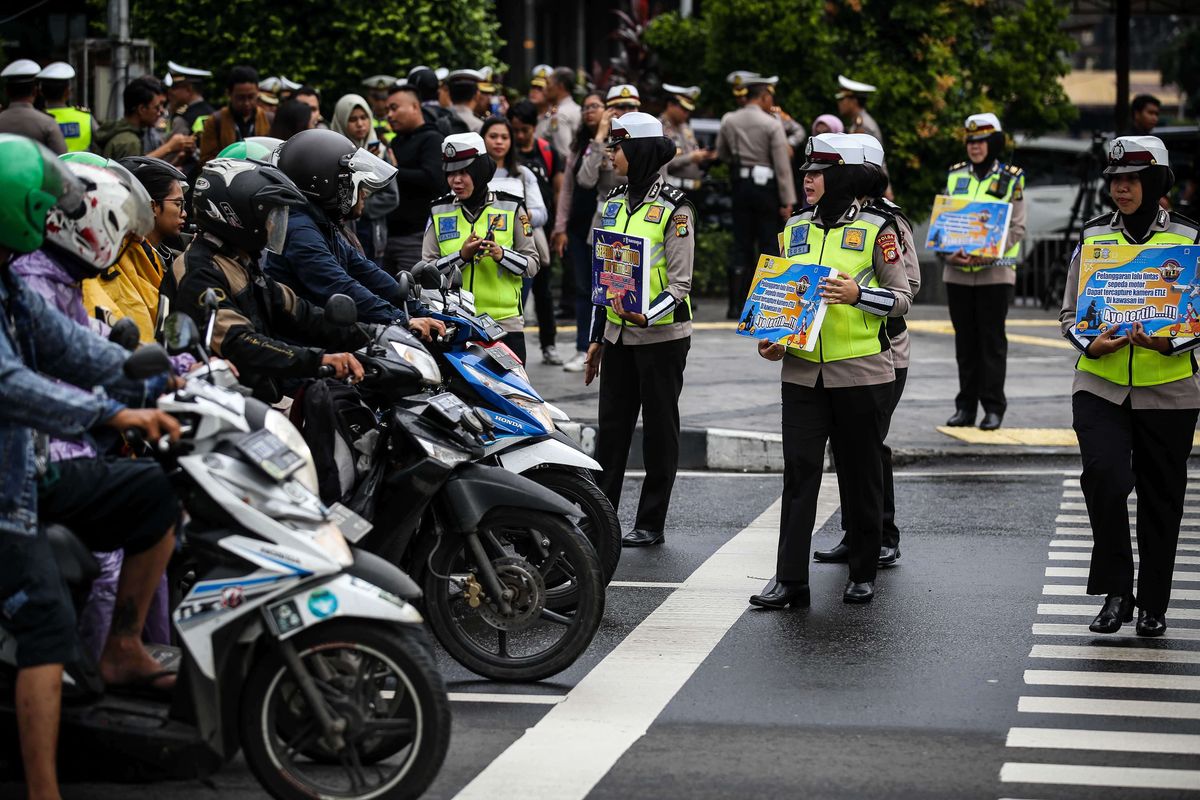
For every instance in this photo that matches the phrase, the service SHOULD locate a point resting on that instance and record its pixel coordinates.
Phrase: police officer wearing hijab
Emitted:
(840, 392)
(1135, 402)
(640, 358)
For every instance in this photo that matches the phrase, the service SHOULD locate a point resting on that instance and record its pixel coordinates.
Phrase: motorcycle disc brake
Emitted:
(528, 591)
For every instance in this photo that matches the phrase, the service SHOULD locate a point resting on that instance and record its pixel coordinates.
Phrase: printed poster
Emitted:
(1120, 284)
(978, 227)
(620, 278)
(784, 305)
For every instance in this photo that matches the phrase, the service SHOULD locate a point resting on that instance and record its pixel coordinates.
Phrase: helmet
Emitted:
(32, 182)
(244, 204)
(259, 148)
(112, 210)
(139, 166)
(135, 187)
(328, 168)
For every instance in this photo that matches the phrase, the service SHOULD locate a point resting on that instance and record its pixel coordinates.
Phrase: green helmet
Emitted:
(246, 150)
(84, 157)
(32, 181)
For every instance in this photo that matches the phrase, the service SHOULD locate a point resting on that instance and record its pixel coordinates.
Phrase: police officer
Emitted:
(640, 358)
(1135, 402)
(596, 169)
(685, 169)
(20, 84)
(189, 109)
(377, 94)
(979, 291)
(77, 123)
(562, 116)
(753, 143)
(897, 331)
(464, 89)
(842, 390)
(737, 84)
(852, 107)
(486, 235)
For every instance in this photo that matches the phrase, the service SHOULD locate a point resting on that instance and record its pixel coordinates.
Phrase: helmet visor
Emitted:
(369, 170)
(277, 222)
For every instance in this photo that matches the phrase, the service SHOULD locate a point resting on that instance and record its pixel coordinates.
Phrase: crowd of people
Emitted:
(440, 167)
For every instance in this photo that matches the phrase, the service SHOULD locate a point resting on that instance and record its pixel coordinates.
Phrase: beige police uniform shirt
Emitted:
(467, 115)
(750, 137)
(992, 275)
(560, 124)
(902, 344)
(682, 170)
(25, 120)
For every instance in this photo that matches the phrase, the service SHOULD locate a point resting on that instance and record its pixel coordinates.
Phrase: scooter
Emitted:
(309, 657)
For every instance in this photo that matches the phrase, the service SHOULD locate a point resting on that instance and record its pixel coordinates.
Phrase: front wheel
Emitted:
(598, 522)
(381, 683)
(523, 635)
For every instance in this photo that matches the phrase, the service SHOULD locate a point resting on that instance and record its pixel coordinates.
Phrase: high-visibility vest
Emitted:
(652, 220)
(1131, 365)
(76, 126)
(497, 291)
(1002, 185)
(846, 332)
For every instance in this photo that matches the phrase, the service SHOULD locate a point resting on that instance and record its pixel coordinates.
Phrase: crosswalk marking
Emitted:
(1102, 653)
(1043, 629)
(1118, 777)
(1061, 556)
(1086, 531)
(1111, 680)
(1069, 610)
(1081, 591)
(1119, 741)
(1183, 546)
(1072, 506)
(1082, 519)
(1108, 708)
(1082, 572)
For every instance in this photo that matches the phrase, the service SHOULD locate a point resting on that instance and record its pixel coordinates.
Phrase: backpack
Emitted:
(341, 431)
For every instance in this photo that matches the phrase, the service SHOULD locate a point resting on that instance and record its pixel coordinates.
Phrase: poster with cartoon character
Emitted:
(1120, 284)
(977, 227)
(620, 274)
(784, 304)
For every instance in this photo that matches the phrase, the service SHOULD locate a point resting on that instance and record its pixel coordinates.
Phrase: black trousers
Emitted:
(980, 346)
(854, 419)
(644, 378)
(1123, 449)
(516, 342)
(756, 224)
(891, 534)
(543, 305)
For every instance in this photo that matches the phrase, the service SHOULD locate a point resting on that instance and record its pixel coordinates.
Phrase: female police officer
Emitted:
(640, 357)
(842, 389)
(1135, 402)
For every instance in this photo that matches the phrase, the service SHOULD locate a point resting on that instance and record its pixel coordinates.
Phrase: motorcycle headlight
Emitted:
(283, 428)
(499, 387)
(333, 544)
(536, 410)
(424, 363)
(556, 413)
(443, 454)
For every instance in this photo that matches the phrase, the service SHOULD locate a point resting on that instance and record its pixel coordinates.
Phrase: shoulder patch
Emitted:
(889, 247)
(1014, 170)
(1102, 219)
(444, 199)
(674, 194)
(959, 165)
(680, 221)
(617, 190)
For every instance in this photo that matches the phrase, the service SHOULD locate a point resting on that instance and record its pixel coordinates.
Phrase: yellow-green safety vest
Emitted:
(497, 291)
(1003, 184)
(76, 126)
(846, 332)
(1131, 365)
(651, 220)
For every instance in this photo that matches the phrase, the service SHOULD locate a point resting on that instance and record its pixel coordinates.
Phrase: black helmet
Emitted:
(244, 203)
(154, 173)
(328, 168)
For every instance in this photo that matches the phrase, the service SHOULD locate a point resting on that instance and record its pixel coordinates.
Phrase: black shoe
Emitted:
(641, 538)
(961, 419)
(859, 592)
(779, 594)
(1117, 609)
(991, 421)
(838, 554)
(1150, 624)
(888, 556)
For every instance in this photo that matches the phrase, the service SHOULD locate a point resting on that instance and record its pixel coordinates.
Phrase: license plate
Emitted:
(490, 326)
(504, 358)
(352, 526)
(268, 452)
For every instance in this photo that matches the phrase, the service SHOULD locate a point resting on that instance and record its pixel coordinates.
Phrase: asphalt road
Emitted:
(971, 675)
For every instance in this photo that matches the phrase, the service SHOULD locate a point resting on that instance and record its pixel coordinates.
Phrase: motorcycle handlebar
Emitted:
(326, 371)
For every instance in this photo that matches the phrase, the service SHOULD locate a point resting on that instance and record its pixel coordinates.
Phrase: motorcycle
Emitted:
(512, 588)
(309, 657)
(475, 364)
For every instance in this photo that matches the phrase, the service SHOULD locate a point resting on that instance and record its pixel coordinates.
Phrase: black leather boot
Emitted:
(961, 419)
(641, 538)
(888, 556)
(779, 594)
(1118, 608)
(1151, 624)
(991, 421)
(859, 592)
(838, 554)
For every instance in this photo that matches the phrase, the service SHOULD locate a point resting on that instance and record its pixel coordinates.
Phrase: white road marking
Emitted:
(1101, 653)
(1086, 531)
(573, 746)
(1062, 555)
(516, 699)
(1041, 629)
(1118, 741)
(975, 473)
(1184, 546)
(1082, 519)
(1108, 708)
(1081, 591)
(643, 585)
(1066, 610)
(1082, 572)
(1080, 775)
(1072, 506)
(1112, 680)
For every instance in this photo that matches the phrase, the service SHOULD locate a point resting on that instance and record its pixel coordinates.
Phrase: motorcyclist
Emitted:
(35, 608)
(240, 208)
(318, 260)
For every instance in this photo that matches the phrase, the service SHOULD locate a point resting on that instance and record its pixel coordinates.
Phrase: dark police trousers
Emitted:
(854, 419)
(891, 533)
(980, 346)
(1123, 449)
(756, 225)
(646, 378)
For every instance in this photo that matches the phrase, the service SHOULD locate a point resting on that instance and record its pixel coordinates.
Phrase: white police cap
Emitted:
(541, 75)
(380, 81)
(830, 150)
(1135, 153)
(180, 71)
(290, 86)
(441, 73)
(634, 125)
(623, 94)
(872, 149)
(851, 87)
(466, 76)
(686, 95)
(981, 126)
(459, 150)
(23, 69)
(56, 71)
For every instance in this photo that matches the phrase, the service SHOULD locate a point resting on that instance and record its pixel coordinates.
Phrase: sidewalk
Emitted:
(730, 403)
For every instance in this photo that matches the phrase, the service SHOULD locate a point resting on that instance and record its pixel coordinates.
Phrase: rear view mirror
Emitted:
(405, 282)
(146, 362)
(456, 278)
(180, 333)
(428, 276)
(341, 311)
(210, 301)
(125, 333)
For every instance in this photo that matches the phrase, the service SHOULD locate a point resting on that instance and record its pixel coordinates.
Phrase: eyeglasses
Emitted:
(177, 200)
(594, 107)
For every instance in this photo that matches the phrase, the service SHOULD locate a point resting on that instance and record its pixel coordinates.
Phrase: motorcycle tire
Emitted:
(599, 522)
(270, 692)
(445, 608)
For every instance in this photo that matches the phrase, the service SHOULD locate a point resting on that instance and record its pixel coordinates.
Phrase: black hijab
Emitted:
(995, 148)
(1156, 182)
(646, 157)
(481, 170)
(844, 183)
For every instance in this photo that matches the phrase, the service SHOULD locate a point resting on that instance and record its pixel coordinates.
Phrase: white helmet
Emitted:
(112, 209)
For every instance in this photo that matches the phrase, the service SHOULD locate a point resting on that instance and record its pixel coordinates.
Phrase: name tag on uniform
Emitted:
(447, 228)
(654, 214)
(70, 130)
(854, 239)
(608, 217)
(962, 186)
(798, 243)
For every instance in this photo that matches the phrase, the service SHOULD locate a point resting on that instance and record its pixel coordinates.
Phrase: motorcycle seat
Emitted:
(76, 563)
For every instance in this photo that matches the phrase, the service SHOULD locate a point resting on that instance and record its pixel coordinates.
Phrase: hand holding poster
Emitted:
(784, 305)
(1120, 284)
(620, 278)
(978, 227)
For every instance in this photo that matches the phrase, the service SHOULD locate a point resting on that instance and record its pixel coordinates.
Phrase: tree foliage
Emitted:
(934, 62)
(330, 45)
(1180, 64)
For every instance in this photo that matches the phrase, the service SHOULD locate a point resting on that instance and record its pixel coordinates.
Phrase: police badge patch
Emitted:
(681, 224)
(854, 239)
(654, 214)
(497, 222)
(447, 228)
(798, 243)
(526, 228)
(962, 186)
(889, 247)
